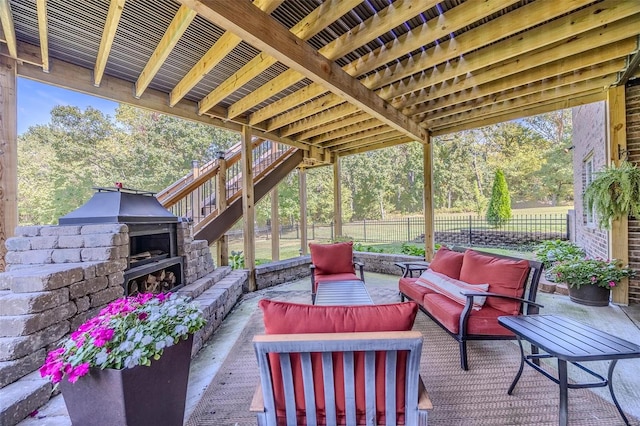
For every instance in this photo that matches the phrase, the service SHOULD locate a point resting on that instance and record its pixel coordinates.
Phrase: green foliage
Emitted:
(236, 259)
(412, 250)
(552, 251)
(603, 273)
(499, 210)
(614, 193)
(370, 249)
(342, 239)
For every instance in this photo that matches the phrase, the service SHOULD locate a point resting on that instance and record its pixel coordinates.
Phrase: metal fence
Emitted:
(452, 229)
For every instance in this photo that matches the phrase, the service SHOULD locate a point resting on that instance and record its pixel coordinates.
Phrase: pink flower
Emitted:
(612, 284)
(78, 372)
(593, 279)
(143, 316)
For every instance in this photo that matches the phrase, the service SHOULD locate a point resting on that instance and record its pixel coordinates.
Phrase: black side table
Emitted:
(408, 268)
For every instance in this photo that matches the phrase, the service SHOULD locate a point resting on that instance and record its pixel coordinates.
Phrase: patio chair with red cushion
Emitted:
(333, 262)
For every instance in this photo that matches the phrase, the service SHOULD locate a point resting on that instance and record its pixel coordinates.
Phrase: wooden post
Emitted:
(337, 198)
(196, 202)
(8, 153)
(427, 156)
(302, 187)
(248, 207)
(275, 225)
(222, 246)
(619, 233)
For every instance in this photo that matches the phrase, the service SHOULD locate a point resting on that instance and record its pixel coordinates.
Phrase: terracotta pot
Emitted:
(590, 295)
(153, 395)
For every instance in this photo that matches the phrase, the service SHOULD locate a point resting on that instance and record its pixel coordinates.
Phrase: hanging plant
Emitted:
(614, 193)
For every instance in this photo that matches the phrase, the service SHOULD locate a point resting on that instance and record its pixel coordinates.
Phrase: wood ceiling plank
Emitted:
(589, 20)
(311, 108)
(375, 146)
(516, 21)
(450, 21)
(265, 34)
(600, 70)
(108, 34)
(311, 25)
(43, 32)
(335, 125)
(222, 47)
(553, 105)
(374, 139)
(565, 65)
(522, 102)
(366, 135)
(346, 131)
(319, 119)
(578, 44)
(281, 105)
(6, 18)
(176, 28)
(387, 19)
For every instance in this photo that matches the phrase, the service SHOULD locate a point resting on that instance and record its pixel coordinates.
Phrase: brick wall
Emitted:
(633, 146)
(589, 140)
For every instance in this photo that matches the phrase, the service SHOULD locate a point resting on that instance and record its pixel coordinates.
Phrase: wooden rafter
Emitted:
(222, 47)
(366, 136)
(176, 28)
(108, 34)
(6, 18)
(265, 34)
(346, 131)
(335, 125)
(378, 145)
(43, 31)
(311, 108)
(319, 119)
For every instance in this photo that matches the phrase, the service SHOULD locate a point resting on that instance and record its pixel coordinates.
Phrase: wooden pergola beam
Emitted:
(43, 32)
(272, 38)
(314, 107)
(372, 147)
(108, 34)
(319, 119)
(346, 131)
(335, 125)
(6, 19)
(177, 27)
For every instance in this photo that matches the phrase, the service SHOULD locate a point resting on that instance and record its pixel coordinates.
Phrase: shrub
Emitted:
(412, 250)
(499, 210)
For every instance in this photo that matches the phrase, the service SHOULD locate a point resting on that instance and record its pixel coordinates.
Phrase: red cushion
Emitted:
(447, 312)
(412, 290)
(287, 318)
(505, 276)
(332, 258)
(447, 262)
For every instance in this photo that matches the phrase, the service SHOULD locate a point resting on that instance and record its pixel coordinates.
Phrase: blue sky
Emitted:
(35, 101)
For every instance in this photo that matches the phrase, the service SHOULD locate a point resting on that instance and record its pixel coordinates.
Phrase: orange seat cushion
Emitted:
(447, 312)
(504, 276)
(332, 258)
(412, 290)
(287, 318)
(447, 262)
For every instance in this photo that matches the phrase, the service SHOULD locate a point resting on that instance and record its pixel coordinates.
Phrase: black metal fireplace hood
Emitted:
(119, 205)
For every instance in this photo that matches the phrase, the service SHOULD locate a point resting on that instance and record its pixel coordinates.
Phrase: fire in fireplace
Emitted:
(153, 265)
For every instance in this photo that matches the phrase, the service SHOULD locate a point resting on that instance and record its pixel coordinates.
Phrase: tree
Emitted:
(499, 211)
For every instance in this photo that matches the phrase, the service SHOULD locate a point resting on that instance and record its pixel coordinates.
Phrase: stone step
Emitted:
(546, 286)
(562, 288)
(23, 397)
(201, 285)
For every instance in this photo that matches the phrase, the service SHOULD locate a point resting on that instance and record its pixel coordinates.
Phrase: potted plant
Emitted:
(129, 364)
(614, 193)
(551, 252)
(590, 280)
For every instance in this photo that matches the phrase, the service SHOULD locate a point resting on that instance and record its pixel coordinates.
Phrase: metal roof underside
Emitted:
(427, 67)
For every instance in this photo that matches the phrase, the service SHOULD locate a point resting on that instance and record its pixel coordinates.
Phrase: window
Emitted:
(588, 174)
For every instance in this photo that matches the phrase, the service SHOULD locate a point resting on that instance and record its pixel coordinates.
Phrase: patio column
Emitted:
(8, 153)
(222, 246)
(427, 157)
(337, 198)
(275, 225)
(619, 233)
(302, 187)
(248, 207)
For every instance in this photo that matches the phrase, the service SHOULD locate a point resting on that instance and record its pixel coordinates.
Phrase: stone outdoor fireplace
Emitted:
(152, 263)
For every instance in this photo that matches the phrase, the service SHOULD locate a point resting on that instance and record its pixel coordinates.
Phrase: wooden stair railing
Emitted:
(193, 196)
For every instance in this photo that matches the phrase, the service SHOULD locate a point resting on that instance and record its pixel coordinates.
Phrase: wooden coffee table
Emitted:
(352, 292)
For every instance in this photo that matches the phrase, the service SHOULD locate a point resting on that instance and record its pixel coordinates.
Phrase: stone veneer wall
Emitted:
(59, 276)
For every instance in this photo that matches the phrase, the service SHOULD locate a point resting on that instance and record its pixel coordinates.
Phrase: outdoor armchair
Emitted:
(333, 262)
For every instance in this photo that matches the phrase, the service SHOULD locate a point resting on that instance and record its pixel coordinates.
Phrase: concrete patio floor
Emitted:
(623, 322)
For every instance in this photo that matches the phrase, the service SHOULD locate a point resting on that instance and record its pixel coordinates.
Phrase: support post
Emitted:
(619, 233)
(337, 198)
(248, 207)
(8, 153)
(196, 206)
(302, 187)
(222, 244)
(427, 157)
(275, 225)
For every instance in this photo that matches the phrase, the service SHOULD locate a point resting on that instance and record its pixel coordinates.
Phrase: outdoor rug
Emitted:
(474, 397)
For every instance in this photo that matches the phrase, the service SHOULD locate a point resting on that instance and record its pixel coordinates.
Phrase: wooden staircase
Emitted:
(194, 196)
